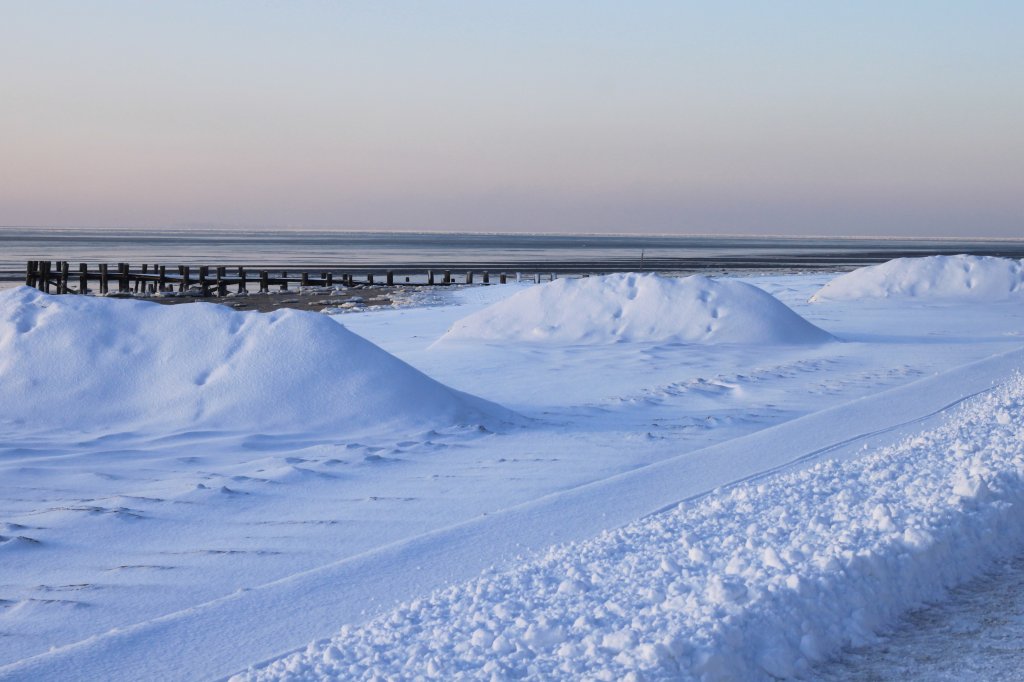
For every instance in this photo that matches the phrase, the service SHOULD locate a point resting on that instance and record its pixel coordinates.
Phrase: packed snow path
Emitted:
(755, 582)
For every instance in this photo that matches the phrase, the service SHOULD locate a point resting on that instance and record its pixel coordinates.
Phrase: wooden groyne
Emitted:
(58, 277)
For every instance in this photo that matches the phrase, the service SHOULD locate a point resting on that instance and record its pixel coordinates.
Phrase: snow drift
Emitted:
(85, 364)
(634, 307)
(940, 278)
(760, 581)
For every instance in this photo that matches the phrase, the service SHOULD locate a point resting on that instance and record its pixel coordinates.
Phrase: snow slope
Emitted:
(126, 549)
(83, 364)
(635, 307)
(756, 582)
(935, 278)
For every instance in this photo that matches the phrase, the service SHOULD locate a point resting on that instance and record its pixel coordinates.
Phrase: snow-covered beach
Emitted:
(491, 486)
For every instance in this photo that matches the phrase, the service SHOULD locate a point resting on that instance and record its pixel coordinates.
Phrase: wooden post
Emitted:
(222, 286)
(329, 279)
(391, 277)
(503, 278)
(83, 278)
(304, 280)
(242, 289)
(284, 280)
(183, 285)
(204, 286)
(487, 277)
(469, 277)
(30, 273)
(64, 267)
(44, 280)
(264, 281)
(369, 278)
(430, 276)
(162, 283)
(104, 280)
(125, 280)
(447, 276)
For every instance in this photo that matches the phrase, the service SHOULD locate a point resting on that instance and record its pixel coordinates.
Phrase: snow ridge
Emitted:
(758, 581)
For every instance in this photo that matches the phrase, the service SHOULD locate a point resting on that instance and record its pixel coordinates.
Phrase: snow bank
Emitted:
(760, 581)
(633, 307)
(939, 278)
(86, 364)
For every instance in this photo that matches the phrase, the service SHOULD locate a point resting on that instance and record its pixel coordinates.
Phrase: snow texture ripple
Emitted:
(762, 580)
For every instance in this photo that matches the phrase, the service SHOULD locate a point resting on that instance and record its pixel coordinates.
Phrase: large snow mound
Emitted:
(85, 364)
(635, 307)
(940, 278)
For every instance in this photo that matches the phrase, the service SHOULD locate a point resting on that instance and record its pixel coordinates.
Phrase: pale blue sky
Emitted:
(859, 118)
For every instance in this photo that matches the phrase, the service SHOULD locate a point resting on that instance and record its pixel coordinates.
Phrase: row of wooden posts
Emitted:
(150, 280)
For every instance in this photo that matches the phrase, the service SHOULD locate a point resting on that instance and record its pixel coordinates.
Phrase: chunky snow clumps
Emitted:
(83, 364)
(938, 278)
(758, 581)
(634, 307)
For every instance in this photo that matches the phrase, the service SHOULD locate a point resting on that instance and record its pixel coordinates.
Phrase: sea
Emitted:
(412, 252)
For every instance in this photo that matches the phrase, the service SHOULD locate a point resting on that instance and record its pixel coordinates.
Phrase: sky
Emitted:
(893, 118)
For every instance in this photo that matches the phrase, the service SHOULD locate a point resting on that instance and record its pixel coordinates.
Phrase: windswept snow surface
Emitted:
(934, 278)
(115, 366)
(630, 307)
(138, 540)
(755, 582)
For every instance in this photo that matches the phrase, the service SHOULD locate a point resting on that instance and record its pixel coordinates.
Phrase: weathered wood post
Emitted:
(83, 278)
(487, 277)
(30, 273)
(369, 278)
(162, 283)
(447, 276)
(183, 273)
(124, 280)
(329, 279)
(284, 280)
(264, 282)
(391, 277)
(104, 279)
(242, 289)
(44, 276)
(222, 286)
(469, 277)
(503, 278)
(204, 286)
(64, 271)
(430, 276)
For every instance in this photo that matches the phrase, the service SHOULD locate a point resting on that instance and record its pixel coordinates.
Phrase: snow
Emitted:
(630, 307)
(932, 278)
(133, 538)
(121, 366)
(759, 581)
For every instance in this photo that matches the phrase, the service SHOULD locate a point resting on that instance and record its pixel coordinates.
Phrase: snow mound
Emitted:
(940, 278)
(85, 364)
(634, 307)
